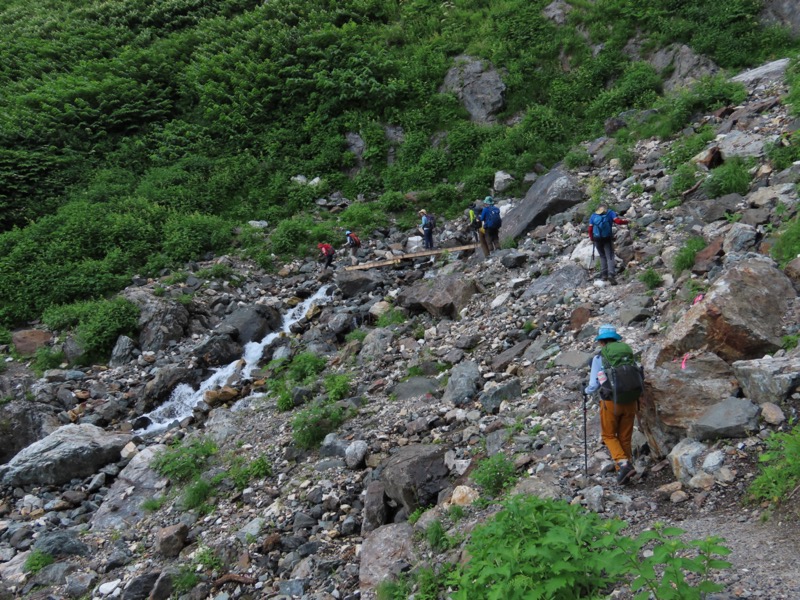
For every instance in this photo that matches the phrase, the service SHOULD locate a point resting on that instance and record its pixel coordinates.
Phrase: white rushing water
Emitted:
(184, 398)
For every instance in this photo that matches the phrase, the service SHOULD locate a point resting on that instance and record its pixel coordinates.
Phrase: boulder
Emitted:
(160, 321)
(568, 277)
(678, 393)
(551, 194)
(72, 451)
(252, 323)
(165, 380)
(768, 379)
(385, 553)
(462, 384)
(375, 509)
(441, 297)
(684, 459)
(137, 482)
(415, 475)
(477, 85)
(739, 318)
(494, 394)
(22, 423)
(355, 283)
(218, 350)
(683, 64)
(28, 341)
(742, 143)
(731, 418)
(60, 543)
(375, 345)
(123, 352)
(785, 13)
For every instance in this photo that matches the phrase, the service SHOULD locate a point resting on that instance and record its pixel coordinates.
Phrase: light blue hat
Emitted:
(347, 232)
(488, 200)
(607, 332)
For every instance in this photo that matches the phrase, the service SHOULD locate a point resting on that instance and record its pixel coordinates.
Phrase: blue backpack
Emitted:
(493, 220)
(601, 225)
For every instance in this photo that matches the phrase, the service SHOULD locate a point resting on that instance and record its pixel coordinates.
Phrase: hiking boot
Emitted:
(626, 471)
(612, 280)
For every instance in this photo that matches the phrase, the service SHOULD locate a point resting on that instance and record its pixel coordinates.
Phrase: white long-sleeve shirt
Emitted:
(597, 367)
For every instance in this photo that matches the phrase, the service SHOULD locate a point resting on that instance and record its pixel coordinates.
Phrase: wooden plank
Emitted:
(396, 259)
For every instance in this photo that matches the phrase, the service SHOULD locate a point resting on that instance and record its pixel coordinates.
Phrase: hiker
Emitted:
(602, 236)
(473, 214)
(427, 226)
(490, 218)
(352, 243)
(327, 253)
(618, 403)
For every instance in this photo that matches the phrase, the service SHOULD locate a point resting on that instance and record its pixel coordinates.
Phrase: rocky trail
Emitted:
(447, 362)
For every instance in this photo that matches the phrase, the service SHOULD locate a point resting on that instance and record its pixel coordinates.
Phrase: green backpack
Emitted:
(624, 379)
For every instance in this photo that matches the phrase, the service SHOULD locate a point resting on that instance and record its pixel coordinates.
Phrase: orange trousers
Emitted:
(616, 427)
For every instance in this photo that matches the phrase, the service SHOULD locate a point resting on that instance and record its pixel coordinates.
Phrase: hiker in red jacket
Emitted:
(602, 235)
(327, 252)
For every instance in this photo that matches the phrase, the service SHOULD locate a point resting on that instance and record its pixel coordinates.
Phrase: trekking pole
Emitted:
(585, 440)
(591, 266)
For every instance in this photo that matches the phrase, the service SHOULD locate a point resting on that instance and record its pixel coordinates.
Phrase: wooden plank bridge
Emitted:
(401, 257)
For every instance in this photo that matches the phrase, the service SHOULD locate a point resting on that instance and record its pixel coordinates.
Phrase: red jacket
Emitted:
(327, 250)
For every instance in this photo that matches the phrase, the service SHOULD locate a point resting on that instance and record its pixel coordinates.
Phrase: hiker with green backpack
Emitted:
(602, 236)
(619, 381)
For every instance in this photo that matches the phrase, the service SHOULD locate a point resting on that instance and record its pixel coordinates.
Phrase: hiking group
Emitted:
(327, 252)
(486, 225)
(619, 382)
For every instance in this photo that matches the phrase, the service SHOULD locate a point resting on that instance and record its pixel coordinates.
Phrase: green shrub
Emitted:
(779, 474)
(787, 244)
(789, 342)
(195, 495)
(206, 558)
(686, 148)
(337, 386)
(684, 259)
(184, 461)
(416, 514)
(310, 426)
(5, 336)
(36, 561)
(241, 472)
(731, 177)
(495, 474)
(437, 537)
(393, 316)
(651, 278)
(284, 401)
(356, 335)
(546, 544)
(577, 157)
(455, 512)
(185, 580)
(153, 504)
(393, 590)
(216, 271)
(47, 358)
(305, 367)
(393, 202)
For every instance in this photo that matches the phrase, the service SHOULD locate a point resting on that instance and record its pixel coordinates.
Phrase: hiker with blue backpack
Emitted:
(427, 225)
(492, 222)
(619, 382)
(602, 236)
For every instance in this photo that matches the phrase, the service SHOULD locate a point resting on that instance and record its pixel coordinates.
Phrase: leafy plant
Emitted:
(577, 157)
(241, 472)
(184, 461)
(305, 367)
(195, 495)
(731, 177)
(393, 590)
(393, 316)
(789, 342)
(779, 473)
(47, 358)
(207, 559)
(36, 561)
(356, 335)
(416, 514)
(153, 504)
(456, 512)
(310, 426)
(337, 386)
(185, 580)
(495, 474)
(651, 278)
(787, 244)
(684, 259)
(437, 537)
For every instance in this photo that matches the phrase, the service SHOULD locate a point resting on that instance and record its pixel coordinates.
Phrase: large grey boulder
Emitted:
(462, 384)
(375, 509)
(683, 64)
(441, 297)
(478, 86)
(739, 318)
(252, 323)
(22, 423)
(160, 321)
(742, 143)
(731, 418)
(569, 277)
(164, 381)
(385, 553)
(137, 482)
(376, 344)
(551, 194)
(415, 475)
(768, 379)
(355, 283)
(72, 451)
(678, 393)
(218, 349)
(784, 12)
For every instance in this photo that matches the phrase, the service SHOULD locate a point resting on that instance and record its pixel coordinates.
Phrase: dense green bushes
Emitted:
(158, 129)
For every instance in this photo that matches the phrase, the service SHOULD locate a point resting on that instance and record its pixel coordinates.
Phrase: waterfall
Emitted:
(184, 398)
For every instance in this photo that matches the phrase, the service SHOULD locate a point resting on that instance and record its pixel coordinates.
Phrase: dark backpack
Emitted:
(474, 221)
(624, 379)
(354, 241)
(430, 222)
(601, 225)
(493, 220)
